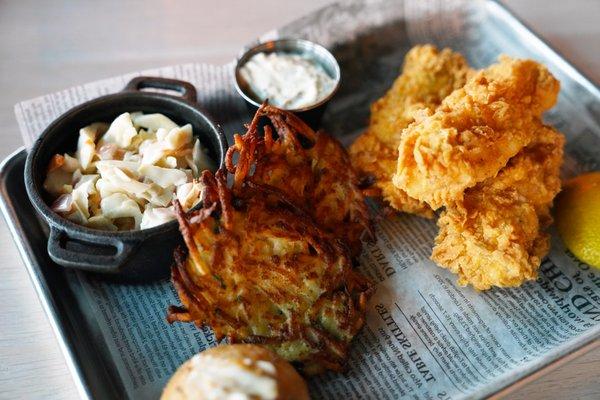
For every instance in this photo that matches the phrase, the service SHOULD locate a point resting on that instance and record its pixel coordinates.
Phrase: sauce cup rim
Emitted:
(314, 51)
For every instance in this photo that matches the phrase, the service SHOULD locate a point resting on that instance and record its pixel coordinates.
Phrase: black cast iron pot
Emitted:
(128, 255)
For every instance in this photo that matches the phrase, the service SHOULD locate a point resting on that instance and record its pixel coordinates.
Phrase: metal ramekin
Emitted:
(311, 114)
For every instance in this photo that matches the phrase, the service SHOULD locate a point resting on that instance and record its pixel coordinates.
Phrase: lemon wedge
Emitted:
(578, 217)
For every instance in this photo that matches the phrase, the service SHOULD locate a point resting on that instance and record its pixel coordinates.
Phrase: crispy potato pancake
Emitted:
(311, 168)
(428, 76)
(474, 132)
(260, 270)
(495, 236)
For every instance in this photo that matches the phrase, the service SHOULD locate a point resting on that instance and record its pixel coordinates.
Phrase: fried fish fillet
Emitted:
(376, 163)
(495, 235)
(311, 168)
(474, 132)
(428, 76)
(260, 270)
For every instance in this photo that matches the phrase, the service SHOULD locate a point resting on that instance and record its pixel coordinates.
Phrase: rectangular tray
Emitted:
(59, 290)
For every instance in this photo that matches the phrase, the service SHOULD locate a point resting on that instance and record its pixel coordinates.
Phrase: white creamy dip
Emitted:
(213, 378)
(289, 81)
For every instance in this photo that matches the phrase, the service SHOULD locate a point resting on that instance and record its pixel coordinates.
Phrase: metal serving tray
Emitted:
(60, 291)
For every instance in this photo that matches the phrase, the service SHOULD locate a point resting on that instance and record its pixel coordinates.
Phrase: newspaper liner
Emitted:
(425, 337)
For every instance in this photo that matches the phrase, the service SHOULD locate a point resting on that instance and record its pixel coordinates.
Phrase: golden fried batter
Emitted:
(260, 271)
(428, 76)
(311, 168)
(377, 162)
(495, 235)
(474, 132)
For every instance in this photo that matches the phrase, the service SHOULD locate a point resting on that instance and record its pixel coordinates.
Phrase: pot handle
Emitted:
(186, 89)
(87, 258)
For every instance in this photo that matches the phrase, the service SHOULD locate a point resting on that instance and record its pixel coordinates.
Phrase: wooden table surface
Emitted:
(51, 45)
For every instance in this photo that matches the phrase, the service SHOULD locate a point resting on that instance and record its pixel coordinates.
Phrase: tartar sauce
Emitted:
(289, 81)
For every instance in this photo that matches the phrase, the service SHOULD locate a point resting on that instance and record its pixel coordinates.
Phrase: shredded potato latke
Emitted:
(311, 168)
(269, 257)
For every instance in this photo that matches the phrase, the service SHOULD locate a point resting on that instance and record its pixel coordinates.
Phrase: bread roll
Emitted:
(236, 372)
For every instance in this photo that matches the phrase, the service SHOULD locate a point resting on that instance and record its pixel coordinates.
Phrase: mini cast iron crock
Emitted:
(128, 255)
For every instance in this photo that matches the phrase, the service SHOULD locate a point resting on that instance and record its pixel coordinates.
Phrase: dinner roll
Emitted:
(236, 371)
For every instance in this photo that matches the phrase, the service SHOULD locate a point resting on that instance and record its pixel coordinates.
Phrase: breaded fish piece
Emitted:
(312, 168)
(428, 75)
(474, 132)
(495, 235)
(259, 270)
(376, 162)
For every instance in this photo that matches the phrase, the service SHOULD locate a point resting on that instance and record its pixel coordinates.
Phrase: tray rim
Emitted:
(48, 302)
(37, 279)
